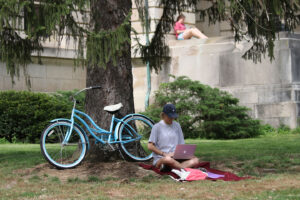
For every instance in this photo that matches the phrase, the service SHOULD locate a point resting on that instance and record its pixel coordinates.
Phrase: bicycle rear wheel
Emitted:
(61, 155)
(134, 134)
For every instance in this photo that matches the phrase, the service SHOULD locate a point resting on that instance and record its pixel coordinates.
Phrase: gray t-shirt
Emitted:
(166, 137)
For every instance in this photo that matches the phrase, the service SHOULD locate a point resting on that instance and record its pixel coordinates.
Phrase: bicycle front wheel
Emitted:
(57, 153)
(134, 134)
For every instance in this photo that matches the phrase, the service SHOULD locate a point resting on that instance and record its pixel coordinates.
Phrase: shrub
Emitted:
(296, 130)
(267, 129)
(24, 115)
(282, 129)
(204, 111)
(3, 141)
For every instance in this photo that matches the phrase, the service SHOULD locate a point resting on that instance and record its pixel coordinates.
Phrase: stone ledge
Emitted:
(58, 53)
(210, 45)
(172, 42)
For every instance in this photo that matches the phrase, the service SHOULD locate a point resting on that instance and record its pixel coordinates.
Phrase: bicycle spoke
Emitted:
(59, 135)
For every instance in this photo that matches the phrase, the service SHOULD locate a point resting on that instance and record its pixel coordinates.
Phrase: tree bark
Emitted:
(115, 80)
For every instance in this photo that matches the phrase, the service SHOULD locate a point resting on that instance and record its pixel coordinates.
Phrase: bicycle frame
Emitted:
(106, 137)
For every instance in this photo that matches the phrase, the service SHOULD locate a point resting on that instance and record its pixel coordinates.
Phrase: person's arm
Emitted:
(153, 148)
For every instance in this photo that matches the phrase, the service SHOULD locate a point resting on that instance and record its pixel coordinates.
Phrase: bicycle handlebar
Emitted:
(95, 87)
(72, 97)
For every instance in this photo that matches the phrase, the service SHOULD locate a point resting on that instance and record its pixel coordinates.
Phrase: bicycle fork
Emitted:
(68, 134)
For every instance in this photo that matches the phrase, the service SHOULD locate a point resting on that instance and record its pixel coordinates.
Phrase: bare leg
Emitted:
(187, 34)
(199, 34)
(175, 164)
(190, 163)
(168, 161)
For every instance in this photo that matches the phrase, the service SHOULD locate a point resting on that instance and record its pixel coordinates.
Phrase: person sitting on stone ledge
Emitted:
(182, 33)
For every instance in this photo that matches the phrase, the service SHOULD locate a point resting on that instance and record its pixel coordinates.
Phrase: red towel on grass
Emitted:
(227, 175)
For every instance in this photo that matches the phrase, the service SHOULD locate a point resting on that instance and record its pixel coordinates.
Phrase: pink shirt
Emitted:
(178, 27)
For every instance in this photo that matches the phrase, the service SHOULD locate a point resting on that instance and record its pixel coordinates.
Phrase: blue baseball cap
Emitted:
(170, 110)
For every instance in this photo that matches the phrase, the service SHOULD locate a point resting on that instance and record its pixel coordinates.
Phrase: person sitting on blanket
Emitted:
(164, 137)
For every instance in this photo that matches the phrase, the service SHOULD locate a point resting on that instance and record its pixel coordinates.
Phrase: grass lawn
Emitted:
(273, 160)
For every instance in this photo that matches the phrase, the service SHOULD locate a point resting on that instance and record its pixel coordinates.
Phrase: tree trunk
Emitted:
(115, 80)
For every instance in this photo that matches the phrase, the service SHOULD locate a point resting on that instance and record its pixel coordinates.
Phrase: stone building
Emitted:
(270, 89)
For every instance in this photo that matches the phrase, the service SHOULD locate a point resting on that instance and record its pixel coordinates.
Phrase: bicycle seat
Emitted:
(112, 109)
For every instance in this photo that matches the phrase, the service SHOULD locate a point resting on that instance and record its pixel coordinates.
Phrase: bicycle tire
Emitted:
(45, 148)
(141, 145)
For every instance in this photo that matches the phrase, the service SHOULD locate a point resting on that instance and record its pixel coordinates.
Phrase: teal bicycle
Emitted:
(65, 142)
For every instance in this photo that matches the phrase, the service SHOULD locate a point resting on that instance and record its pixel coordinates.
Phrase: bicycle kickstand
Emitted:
(111, 146)
(121, 154)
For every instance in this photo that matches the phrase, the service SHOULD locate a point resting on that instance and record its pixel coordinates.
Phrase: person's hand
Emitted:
(169, 154)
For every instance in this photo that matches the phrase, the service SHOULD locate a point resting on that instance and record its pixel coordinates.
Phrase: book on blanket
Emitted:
(184, 151)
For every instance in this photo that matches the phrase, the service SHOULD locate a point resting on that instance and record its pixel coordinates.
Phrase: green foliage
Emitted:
(267, 129)
(3, 140)
(204, 111)
(296, 130)
(42, 19)
(281, 130)
(55, 19)
(64, 96)
(24, 115)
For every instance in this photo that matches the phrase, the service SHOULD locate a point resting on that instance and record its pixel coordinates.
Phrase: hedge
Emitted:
(24, 115)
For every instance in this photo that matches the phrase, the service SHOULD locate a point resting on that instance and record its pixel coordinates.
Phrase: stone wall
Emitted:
(55, 74)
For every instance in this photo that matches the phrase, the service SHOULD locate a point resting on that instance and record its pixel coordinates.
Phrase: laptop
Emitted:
(184, 151)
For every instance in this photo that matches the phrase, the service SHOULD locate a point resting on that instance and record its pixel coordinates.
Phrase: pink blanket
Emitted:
(214, 174)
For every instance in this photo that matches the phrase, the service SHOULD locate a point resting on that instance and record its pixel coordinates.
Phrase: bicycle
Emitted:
(64, 143)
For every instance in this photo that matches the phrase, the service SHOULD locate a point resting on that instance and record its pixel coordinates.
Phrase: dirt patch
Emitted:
(119, 169)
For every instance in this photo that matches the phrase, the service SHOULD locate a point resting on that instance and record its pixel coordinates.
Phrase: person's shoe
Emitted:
(202, 169)
(165, 168)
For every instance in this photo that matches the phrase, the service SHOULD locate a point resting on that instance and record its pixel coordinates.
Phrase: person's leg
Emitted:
(187, 34)
(177, 165)
(168, 161)
(190, 163)
(198, 33)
